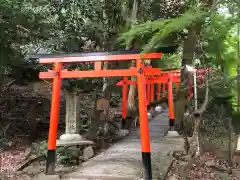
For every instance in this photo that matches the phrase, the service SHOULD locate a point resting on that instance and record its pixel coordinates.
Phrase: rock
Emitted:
(149, 116)
(34, 171)
(122, 133)
(158, 109)
(199, 174)
(186, 114)
(164, 105)
(152, 112)
(236, 172)
(28, 168)
(236, 159)
(212, 175)
(63, 169)
(208, 170)
(173, 177)
(210, 163)
(172, 134)
(88, 153)
(17, 173)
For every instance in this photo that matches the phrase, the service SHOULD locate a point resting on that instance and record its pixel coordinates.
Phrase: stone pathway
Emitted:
(123, 159)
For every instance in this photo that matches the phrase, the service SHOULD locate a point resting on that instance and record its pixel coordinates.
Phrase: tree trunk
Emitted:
(105, 47)
(132, 96)
(132, 89)
(189, 50)
(190, 44)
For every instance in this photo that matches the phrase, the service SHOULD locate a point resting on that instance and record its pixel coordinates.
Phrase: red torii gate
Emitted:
(156, 76)
(163, 77)
(97, 58)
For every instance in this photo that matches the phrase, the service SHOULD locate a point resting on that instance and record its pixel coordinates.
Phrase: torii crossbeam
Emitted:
(57, 74)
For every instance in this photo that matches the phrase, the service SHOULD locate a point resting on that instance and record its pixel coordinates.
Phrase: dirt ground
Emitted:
(205, 167)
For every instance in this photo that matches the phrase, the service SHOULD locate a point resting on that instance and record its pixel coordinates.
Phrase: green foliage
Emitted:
(155, 32)
(64, 154)
(219, 42)
(143, 31)
(19, 24)
(40, 148)
(55, 26)
(218, 85)
(168, 62)
(176, 25)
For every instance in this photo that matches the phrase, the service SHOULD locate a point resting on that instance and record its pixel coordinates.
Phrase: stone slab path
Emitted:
(123, 159)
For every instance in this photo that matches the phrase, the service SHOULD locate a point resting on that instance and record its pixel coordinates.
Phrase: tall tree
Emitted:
(132, 89)
(190, 42)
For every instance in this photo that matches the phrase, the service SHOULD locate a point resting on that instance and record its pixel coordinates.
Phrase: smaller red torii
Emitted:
(152, 76)
(161, 78)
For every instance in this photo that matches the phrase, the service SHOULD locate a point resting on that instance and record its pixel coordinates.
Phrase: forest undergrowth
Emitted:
(22, 157)
(218, 159)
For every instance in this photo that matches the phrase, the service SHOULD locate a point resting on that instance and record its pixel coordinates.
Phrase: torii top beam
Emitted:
(94, 57)
(97, 59)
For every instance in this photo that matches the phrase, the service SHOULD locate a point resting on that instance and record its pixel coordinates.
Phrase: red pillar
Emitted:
(144, 129)
(152, 92)
(124, 102)
(149, 89)
(170, 103)
(146, 92)
(159, 91)
(164, 89)
(53, 127)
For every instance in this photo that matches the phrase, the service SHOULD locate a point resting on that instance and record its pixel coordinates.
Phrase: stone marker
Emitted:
(72, 136)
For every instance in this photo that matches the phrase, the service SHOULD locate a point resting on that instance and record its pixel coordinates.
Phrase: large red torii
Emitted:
(57, 74)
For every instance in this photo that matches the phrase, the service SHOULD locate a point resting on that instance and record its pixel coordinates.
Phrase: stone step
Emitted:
(74, 143)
